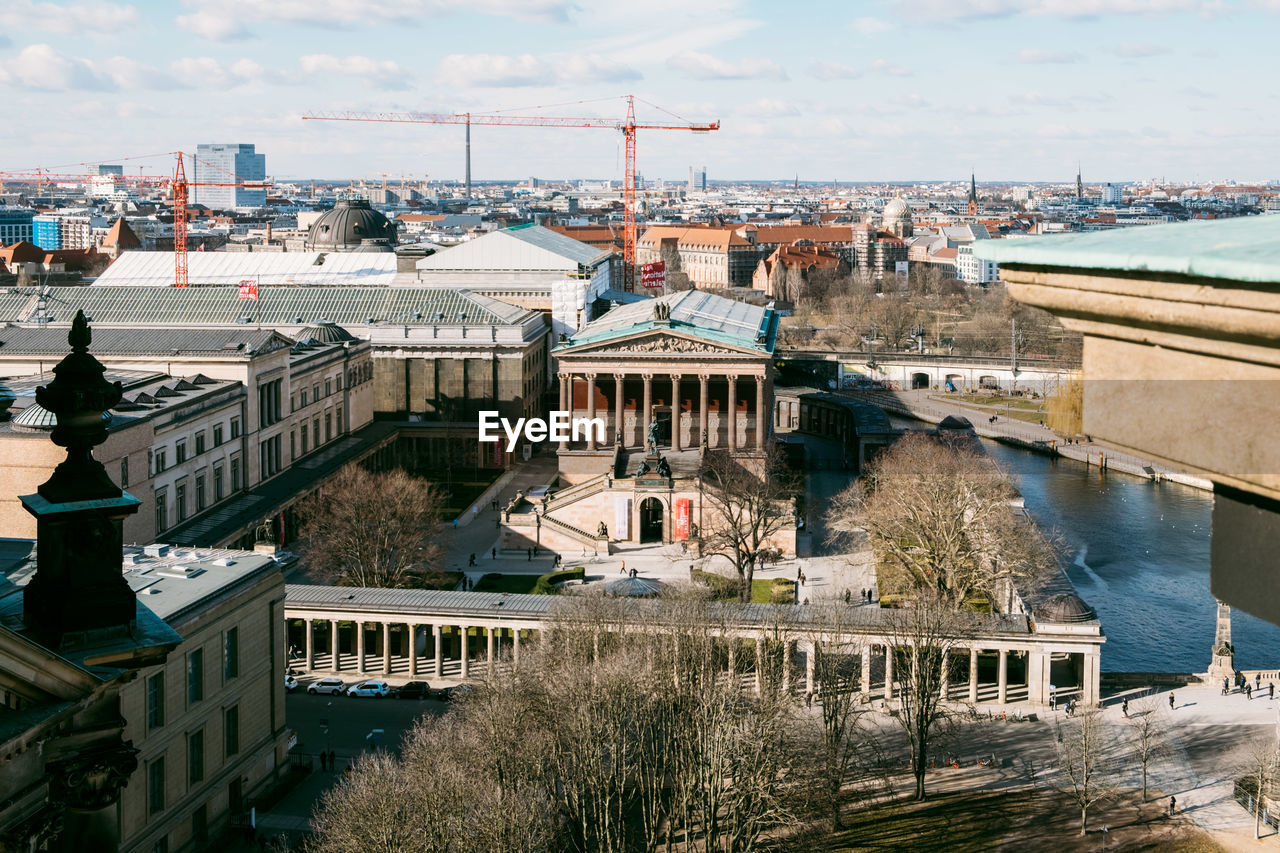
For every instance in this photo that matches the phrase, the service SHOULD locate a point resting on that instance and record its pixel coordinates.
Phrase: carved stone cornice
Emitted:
(92, 779)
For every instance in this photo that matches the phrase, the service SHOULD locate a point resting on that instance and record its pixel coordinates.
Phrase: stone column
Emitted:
(675, 412)
(387, 648)
(866, 670)
(617, 409)
(311, 645)
(945, 687)
(413, 650)
(591, 410)
(760, 416)
(734, 642)
(786, 665)
(759, 666)
(335, 663)
(704, 436)
(464, 630)
(488, 635)
(810, 663)
(733, 413)
(973, 675)
(359, 647)
(566, 400)
(888, 672)
(648, 407)
(437, 635)
(1091, 688)
(1002, 683)
(515, 648)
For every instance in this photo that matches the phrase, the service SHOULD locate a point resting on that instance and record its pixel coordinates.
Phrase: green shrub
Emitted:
(722, 588)
(549, 584)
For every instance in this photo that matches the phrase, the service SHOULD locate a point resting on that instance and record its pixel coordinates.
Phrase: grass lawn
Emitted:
(762, 590)
(1031, 416)
(1021, 819)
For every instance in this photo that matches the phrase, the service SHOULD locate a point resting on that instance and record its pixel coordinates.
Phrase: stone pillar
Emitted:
(648, 407)
(359, 647)
(786, 665)
(437, 636)
(488, 634)
(386, 648)
(413, 650)
(759, 666)
(591, 410)
(1002, 679)
(973, 675)
(311, 645)
(734, 642)
(733, 413)
(335, 662)
(810, 663)
(888, 672)
(618, 435)
(1037, 677)
(945, 687)
(1091, 688)
(675, 412)
(760, 414)
(464, 630)
(566, 401)
(704, 438)
(866, 670)
(515, 648)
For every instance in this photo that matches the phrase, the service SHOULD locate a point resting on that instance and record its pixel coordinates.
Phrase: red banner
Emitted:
(249, 289)
(683, 506)
(654, 274)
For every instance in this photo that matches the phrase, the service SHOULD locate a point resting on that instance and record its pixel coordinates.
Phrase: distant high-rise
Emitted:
(702, 179)
(1079, 184)
(217, 163)
(1112, 194)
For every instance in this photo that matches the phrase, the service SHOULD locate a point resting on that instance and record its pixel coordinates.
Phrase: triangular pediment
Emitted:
(660, 343)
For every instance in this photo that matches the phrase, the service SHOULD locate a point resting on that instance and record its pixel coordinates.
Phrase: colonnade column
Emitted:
(888, 672)
(866, 670)
(437, 635)
(591, 410)
(786, 666)
(759, 666)
(760, 420)
(675, 412)
(311, 645)
(810, 663)
(335, 663)
(488, 634)
(1002, 682)
(705, 436)
(973, 675)
(733, 413)
(515, 648)
(386, 648)
(566, 399)
(617, 409)
(464, 630)
(648, 406)
(945, 687)
(413, 650)
(359, 647)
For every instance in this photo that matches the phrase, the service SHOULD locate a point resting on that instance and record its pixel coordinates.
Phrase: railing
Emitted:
(567, 496)
(995, 359)
(583, 536)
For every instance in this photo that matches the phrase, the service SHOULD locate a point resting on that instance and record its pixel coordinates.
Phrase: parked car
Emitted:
(413, 690)
(449, 694)
(290, 681)
(332, 686)
(376, 689)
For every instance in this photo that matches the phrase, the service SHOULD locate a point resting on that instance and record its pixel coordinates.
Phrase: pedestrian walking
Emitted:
(333, 760)
(1173, 805)
(1124, 707)
(529, 553)
(493, 554)
(623, 569)
(848, 597)
(1226, 686)
(1170, 701)
(1271, 688)
(1257, 681)
(808, 698)
(324, 762)
(1248, 692)
(471, 561)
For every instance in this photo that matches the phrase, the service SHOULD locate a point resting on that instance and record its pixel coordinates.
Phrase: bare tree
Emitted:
(1149, 733)
(1261, 768)
(1083, 774)
(939, 516)
(745, 508)
(372, 529)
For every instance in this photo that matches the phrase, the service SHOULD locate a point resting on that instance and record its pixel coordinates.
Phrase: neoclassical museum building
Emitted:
(672, 378)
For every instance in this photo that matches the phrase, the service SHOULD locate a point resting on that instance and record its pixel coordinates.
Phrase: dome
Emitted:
(352, 226)
(896, 209)
(37, 418)
(1065, 607)
(326, 332)
(634, 588)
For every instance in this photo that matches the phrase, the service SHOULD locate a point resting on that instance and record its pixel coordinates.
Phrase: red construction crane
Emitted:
(628, 128)
(177, 186)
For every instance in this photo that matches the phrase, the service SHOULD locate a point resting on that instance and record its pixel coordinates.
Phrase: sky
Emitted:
(865, 90)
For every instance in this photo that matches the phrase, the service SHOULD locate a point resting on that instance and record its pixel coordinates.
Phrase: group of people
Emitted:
(866, 596)
(1243, 685)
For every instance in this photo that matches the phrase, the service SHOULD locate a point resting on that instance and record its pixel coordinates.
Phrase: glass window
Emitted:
(180, 499)
(304, 398)
(231, 654)
(155, 786)
(304, 438)
(180, 452)
(200, 493)
(315, 429)
(195, 676)
(338, 419)
(231, 730)
(199, 442)
(162, 511)
(328, 387)
(217, 483)
(235, 475)
(195, 757)
(162, 459)
(338, 380)
(235, 427)
(217, 435)
(328, 425)
(293, 445)
(155, 700)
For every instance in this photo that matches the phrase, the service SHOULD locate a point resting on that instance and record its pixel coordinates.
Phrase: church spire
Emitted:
(973, 194)
(1079, 183)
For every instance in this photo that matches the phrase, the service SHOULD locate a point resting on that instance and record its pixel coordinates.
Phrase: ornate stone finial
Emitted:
(81, 400)
(662, 312)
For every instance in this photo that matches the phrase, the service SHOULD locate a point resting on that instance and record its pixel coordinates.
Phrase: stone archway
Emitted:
(651, 517)
(919, 380)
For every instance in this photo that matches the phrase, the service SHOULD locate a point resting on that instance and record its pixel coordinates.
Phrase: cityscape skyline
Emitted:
(882, 92)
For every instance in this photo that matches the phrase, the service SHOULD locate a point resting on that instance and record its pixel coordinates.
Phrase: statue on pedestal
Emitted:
(654, 430)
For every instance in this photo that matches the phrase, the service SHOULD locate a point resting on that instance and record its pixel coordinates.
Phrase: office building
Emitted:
(15, 224)
(227, 164)
(1112, 194)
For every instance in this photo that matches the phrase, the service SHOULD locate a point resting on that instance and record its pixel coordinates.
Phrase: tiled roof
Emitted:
(276, 306)
(816, 233)
(719, 238)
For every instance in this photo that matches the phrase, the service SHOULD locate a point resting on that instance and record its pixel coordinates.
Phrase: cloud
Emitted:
(204, 72)
(871, 26)
(382, 73)
(40, 67)
(1031, 56)
(701, 66)
(346, 14)
(4, 42)
(1068, 103)
(214, 27)
(1130, 50)
(888, 69)
(497, 70)
(77, 18)
(833, 71)
(770, 108)
(1197, 92)
(960, 10)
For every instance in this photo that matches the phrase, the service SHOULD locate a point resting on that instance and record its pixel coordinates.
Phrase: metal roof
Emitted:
(693, 312)
(1245, 249)
(275, 306)
(524, 247)
(155, 269)
(173, 340)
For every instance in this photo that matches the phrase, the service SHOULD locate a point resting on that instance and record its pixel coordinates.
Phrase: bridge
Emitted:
(368, 632)
(904, 371)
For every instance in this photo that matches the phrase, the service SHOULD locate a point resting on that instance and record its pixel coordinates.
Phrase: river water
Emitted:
(1139, 553)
